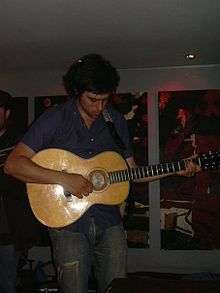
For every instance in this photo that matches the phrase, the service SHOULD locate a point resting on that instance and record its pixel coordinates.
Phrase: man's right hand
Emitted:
(76, 184)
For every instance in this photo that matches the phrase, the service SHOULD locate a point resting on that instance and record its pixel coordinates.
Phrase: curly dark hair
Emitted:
(91, 73)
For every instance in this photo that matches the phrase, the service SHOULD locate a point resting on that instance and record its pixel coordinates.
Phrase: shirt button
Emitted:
(92, 139)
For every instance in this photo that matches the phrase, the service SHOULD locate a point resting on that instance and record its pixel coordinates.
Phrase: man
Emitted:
(78, 126)
(19, 229)
(8, 259)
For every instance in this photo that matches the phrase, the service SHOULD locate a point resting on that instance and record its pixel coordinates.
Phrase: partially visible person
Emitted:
(18, 227)
(97, 238)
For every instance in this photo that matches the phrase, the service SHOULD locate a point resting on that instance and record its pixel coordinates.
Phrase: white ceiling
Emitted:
(47, 34)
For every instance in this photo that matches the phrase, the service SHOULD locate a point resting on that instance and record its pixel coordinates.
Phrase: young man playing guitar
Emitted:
(78, 127)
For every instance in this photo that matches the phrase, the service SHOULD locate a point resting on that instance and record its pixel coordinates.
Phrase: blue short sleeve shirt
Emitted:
(62, 127)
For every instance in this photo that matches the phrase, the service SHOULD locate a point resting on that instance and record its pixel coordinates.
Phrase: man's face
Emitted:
(92, 104)
(3, 118)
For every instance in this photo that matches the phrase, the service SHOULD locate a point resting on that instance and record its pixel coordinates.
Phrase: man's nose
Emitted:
(100, 106)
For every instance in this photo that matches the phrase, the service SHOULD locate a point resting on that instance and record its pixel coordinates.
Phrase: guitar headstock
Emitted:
(210, 160)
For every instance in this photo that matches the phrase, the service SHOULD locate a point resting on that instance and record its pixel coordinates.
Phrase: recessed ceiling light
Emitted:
(190, 56)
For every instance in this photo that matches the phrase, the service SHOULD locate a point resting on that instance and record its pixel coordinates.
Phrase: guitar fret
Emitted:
(122, 176)
(117, 176)
(184, 161)
(143, 171)
(135, 173)
(199, 162)
(132, 174)
(125, 175)
(139, 173)
(128, 175)
(152, 170)
(110, 177)
(114, 178)
(179, 166)
(147, 171)
(173, 167)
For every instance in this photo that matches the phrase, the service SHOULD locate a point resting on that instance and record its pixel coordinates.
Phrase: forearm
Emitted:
(20, 165)
(26, 170)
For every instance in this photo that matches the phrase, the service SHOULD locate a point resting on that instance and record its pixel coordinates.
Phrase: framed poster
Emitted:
(19, 114)
(189, 124)
(43, 103)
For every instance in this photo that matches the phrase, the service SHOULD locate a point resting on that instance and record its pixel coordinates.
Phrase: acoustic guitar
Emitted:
(109, 174)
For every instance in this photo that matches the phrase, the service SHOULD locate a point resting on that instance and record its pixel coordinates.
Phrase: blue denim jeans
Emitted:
(8, 269)
(75, 253)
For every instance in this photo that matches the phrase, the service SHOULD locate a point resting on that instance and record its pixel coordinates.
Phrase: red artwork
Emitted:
(195, 117)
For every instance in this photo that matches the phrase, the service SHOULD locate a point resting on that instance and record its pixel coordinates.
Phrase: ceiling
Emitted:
(48, 34)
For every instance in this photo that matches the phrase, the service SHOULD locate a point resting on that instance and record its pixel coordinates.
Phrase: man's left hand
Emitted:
(190, 170)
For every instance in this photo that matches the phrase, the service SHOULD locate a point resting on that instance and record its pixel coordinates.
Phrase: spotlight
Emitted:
(190, 56)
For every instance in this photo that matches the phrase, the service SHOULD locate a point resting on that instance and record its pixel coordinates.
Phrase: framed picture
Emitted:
(19, 114)
(43, 103)
(190, 206)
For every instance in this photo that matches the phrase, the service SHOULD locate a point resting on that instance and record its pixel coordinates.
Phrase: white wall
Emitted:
(150, 80)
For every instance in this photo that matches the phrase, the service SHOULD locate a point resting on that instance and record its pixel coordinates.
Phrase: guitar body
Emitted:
(53, 207)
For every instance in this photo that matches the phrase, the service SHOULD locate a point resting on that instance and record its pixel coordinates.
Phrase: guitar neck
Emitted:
(149, 171)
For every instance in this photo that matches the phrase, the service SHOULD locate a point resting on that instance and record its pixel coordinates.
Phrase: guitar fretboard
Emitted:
(147, 171)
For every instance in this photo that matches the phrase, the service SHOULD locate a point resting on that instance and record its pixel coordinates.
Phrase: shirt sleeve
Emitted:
(42, 131)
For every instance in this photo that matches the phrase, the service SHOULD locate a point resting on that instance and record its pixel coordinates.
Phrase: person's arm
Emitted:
(20, 165)
(191, 169)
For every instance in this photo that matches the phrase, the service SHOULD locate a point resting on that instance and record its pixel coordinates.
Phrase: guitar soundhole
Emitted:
(98, 179)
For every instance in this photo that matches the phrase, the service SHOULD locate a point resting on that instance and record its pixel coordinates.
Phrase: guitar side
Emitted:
(48, 201)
